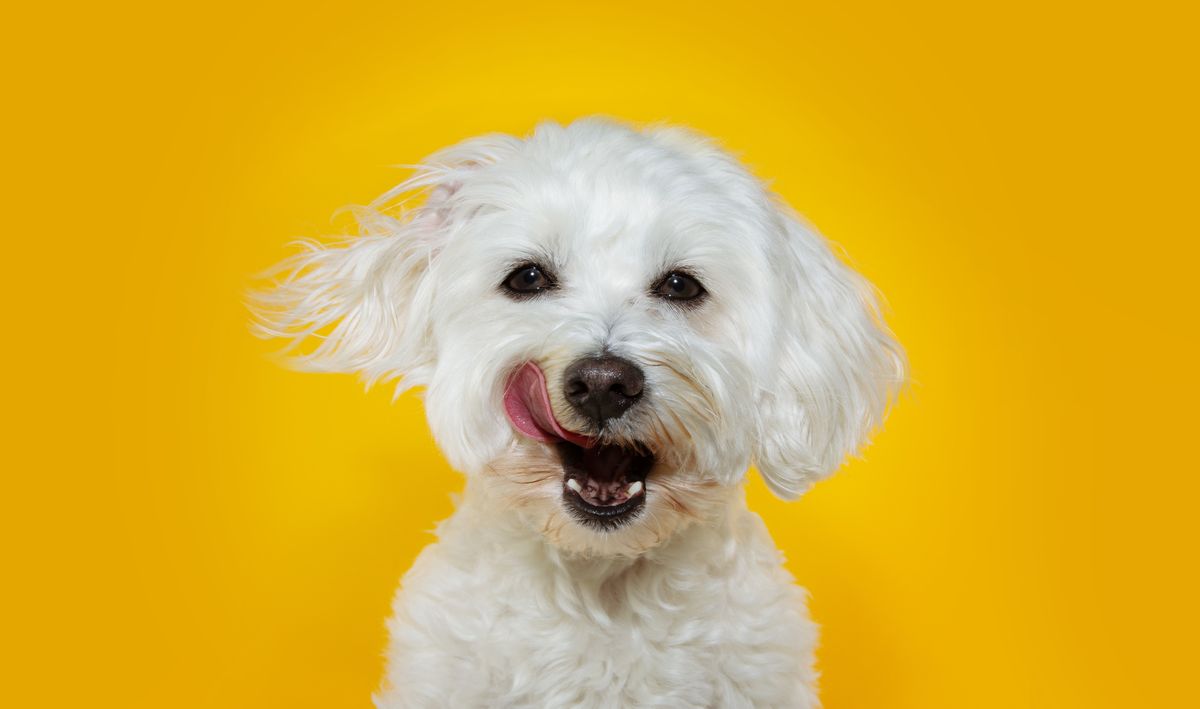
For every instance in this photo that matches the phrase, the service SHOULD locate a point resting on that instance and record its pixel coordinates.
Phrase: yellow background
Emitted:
(186, 525)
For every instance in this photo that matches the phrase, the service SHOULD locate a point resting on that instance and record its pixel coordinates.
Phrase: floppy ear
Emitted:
(838, 367)
(366, 301)
(360, 300)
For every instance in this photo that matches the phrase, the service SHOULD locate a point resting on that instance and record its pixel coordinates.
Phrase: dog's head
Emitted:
(612, 324)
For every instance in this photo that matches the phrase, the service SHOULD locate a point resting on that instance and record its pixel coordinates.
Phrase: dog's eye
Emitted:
(528, 279)
(679, 286)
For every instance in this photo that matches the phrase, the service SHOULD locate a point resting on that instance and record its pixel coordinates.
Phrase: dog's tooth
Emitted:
(634, 488)
(574, 485)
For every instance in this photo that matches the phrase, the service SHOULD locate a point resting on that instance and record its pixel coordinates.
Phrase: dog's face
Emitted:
(612, 325)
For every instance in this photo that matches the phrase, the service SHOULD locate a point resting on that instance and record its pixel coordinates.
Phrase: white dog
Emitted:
(612, 324)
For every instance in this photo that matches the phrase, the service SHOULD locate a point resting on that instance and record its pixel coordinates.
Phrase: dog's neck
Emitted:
(686, 571)
(690, 550)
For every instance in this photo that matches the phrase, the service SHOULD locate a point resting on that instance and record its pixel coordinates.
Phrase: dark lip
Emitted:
(603, 518)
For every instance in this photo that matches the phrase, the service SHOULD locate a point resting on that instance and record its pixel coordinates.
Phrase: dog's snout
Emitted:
(603, 388)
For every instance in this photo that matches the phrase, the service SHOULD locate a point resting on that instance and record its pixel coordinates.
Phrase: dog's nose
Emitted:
(602, 388)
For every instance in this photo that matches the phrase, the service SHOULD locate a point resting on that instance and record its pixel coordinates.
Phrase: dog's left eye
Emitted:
(679, 286)
(528, 279)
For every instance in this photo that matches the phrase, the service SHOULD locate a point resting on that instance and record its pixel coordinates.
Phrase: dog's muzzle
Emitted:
(604, 484)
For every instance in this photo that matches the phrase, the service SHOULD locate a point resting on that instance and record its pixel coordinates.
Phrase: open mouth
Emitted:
(604, 485)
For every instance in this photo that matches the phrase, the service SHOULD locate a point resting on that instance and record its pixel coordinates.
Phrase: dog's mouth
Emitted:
(604, 484)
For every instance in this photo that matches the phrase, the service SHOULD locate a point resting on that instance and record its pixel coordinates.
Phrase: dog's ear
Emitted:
(363, 305)
(837, 366)
(357, 305)
(367, 301)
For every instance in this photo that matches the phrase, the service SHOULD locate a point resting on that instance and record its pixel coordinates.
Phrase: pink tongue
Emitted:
(528, 407)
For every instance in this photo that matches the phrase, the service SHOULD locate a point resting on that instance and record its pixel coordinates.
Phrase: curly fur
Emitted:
(786, 365)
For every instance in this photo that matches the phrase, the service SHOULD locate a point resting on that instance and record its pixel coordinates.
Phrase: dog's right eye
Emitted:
(528, 279)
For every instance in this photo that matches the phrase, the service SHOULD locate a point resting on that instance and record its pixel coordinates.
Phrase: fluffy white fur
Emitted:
(786, 365)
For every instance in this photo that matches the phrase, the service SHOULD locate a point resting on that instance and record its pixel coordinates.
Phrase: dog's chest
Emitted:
(607, 646)
(508, 626)
(643, 641)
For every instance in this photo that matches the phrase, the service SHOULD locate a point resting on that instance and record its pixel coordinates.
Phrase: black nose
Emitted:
(602, 388)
